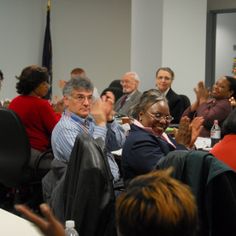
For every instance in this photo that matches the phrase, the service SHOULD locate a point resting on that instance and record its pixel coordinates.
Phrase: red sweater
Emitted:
(38, 118)
(225, 150)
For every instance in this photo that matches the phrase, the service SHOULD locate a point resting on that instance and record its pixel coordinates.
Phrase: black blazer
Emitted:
(177, 105)
(142, 150)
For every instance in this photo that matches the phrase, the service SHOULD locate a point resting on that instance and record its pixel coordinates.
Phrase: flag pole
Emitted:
(49, 5)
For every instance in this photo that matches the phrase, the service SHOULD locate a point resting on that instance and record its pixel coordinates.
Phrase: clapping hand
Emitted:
(102, 109)
(202, 93)
(183, 134)
(232, 101)
(49, 225)
(189, 131)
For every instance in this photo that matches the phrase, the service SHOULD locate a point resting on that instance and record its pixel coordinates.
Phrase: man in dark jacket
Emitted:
(177, 104)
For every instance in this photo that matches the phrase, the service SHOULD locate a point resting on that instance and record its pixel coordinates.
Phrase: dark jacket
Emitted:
(88, 190)
(142, 150)
(82, 190)
(214, 186)
(177, 105)
(53, 186)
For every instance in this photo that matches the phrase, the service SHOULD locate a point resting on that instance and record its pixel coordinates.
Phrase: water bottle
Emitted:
(70, 228)
(215, 133)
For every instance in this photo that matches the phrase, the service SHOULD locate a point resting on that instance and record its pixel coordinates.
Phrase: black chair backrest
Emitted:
(214, 186)
(14, 149)
(116, 84)
(185, 101)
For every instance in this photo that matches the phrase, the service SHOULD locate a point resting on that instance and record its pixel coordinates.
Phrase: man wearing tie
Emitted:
(130, 82)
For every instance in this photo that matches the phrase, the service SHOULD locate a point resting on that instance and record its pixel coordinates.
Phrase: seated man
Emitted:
(130, 84)
(84, 116)
(177, 103)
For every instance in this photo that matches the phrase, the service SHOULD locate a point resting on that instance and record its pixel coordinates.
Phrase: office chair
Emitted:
(15, 152)
(185, 102)
(213, 185)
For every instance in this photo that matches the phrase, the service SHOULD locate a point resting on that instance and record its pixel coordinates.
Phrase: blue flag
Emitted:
(47, 50)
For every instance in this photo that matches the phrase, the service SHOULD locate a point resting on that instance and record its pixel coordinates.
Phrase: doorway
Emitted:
(220, 44)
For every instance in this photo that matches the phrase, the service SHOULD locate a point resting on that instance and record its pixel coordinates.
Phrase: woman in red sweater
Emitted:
(36, 113)
(225, 149)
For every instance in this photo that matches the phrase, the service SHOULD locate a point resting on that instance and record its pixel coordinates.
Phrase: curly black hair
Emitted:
(232, 84)
(31, 77)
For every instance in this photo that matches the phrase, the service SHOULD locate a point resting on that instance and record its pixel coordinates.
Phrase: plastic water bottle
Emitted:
(215, 133)
(70, 228)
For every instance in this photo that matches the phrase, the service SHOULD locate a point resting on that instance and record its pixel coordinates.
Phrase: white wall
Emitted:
(184, 40)
(92, 34)
(22, 27)
(169, 33)
(225, 39)
(146, 40)
(96, 35)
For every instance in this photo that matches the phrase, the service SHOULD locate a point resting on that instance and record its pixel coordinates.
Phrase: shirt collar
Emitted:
(129, 95)
(77, 118)
(164, 93)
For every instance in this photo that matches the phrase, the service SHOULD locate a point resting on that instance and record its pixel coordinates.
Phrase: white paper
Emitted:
(203, 143)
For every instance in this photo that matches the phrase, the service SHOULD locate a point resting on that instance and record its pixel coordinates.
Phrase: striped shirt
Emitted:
(71, 125)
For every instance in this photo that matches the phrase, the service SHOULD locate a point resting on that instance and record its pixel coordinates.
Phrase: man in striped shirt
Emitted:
(84, 115)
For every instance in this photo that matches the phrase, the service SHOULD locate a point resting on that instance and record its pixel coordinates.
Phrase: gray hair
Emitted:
(147, 99)
(133, 75)
(77, 83)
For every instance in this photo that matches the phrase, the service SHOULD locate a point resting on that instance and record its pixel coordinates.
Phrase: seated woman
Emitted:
(225, 149)
(147, 141)
(36, 114)
(212, 106)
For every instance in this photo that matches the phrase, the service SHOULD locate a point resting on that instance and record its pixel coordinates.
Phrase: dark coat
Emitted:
(142, 150)
(177, 104)
(88, 189)
(83, 190)
(214, 186)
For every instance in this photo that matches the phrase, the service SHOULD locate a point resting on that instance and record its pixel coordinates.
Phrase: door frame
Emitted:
(211, 44)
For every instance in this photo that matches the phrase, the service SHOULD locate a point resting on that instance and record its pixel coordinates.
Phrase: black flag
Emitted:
(47, 50)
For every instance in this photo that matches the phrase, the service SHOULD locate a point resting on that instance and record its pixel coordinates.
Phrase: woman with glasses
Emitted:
(36, 114)
(147, 141)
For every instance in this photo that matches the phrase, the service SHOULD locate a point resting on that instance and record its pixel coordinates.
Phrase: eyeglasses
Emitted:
(81, 98)
(158, 116)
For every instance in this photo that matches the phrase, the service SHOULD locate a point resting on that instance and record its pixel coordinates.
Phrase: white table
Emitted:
(13, 225)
